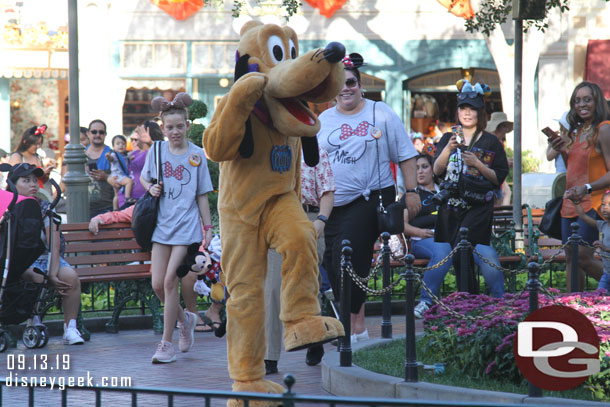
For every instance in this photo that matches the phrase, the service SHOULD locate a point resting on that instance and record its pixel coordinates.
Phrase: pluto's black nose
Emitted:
(334, 52)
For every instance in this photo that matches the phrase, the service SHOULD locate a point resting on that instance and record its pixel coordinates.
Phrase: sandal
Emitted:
(219, 328)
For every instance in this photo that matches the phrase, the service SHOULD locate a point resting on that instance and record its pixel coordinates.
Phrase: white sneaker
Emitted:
(72, 336)
(165, 353)
(420, 309)
(187, 332)
(363, 336)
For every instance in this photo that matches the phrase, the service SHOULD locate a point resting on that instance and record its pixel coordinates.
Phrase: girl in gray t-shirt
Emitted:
(604, 228)
(185, 182)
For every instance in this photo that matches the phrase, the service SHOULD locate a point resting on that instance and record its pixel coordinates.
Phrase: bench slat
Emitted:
(84, 247)
(108, 258)
(82, 226)
(102, 235)
(116, 272)
(113, 277)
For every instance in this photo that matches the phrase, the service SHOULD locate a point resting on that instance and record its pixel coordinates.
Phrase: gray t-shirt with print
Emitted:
(184, 177)
(604, 228)
(353, 150)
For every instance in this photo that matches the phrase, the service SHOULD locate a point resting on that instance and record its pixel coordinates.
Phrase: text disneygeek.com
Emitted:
(61, 382)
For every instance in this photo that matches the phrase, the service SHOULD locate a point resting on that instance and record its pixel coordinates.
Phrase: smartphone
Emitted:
(92, 166)
(459, 133)
(551, 135)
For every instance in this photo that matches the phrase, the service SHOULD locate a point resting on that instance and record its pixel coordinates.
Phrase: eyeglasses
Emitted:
(96, 132)
(351, 82)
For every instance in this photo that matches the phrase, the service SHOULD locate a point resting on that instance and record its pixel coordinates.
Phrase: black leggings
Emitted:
(356, 222)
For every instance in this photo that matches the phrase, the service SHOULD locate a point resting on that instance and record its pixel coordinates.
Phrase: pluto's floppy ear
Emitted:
(310, 150)
(246, 147)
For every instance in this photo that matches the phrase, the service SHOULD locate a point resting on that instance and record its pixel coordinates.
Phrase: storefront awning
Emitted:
(597, 68)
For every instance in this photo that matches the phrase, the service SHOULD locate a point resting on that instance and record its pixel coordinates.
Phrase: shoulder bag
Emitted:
(550, 224)
(144, 217)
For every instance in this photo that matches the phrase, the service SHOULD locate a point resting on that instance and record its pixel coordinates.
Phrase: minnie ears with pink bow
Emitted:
(353, 60)
(464, 86)
(181, 101)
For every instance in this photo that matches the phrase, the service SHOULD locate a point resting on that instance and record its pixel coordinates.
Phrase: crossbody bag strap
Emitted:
(121, 163)
(381, 208)
(158, 161)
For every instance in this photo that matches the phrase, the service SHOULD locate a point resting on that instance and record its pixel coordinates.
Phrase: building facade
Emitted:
(131, 50)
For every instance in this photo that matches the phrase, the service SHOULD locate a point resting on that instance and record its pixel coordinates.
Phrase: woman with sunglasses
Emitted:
(362, 137)
(101, 192)
(473, 165)
(585, 149)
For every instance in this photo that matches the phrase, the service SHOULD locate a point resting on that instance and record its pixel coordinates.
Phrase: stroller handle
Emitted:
(13, 189)
(57, 193)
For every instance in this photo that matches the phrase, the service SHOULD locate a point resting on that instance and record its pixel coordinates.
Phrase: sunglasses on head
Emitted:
(96, 132)
(351, 82)
(468, 95)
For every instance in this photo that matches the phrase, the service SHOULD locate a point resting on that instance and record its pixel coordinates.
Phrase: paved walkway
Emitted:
(128, 354)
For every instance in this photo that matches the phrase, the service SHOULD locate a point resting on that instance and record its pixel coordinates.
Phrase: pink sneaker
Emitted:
(165, 353)
(187, 331)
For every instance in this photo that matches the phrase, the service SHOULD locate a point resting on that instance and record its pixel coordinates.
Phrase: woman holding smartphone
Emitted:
(473, 164)
(586, 152)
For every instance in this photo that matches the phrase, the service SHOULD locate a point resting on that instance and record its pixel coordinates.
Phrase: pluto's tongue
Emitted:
(297, 110)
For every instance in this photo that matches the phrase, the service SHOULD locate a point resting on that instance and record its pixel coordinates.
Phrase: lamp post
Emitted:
(76, 180)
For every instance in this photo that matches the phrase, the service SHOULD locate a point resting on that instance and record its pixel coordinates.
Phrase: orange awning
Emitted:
(597, 68)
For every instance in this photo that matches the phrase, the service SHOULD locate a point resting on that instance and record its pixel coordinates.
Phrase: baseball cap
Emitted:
(563, 120)
(23, 170)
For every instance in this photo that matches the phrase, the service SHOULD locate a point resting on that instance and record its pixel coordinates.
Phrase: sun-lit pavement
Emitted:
(115, 357)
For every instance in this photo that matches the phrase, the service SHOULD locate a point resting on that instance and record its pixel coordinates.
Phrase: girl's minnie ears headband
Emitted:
(181, 101)
(353, 60)
(40, 130)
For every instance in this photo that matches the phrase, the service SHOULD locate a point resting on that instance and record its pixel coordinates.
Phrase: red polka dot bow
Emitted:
(347, 131)
(169, 172)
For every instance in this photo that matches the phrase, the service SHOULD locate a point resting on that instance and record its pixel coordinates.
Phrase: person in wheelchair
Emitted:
(60, 274)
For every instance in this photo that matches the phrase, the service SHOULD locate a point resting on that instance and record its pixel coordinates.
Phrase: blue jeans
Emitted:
(436, 251)
(493, 277)
(604, 282)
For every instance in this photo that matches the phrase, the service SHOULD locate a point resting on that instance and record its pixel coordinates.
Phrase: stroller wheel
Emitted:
(31, 337)
(3, 342)
(44, 336)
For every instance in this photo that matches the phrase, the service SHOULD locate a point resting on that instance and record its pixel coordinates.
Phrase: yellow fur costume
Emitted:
(259, 202)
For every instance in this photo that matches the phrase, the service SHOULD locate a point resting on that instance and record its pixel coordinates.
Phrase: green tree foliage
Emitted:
(492, 13)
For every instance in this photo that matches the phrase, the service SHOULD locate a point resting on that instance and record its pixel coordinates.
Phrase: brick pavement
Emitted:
(128, 354)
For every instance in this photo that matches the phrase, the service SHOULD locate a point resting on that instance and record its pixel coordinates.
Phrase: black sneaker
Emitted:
(270, 366)
(314, 355)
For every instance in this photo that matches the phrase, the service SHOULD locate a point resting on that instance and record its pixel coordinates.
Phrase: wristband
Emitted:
(322, 218)
(414, 190)
(589, 188)
(207, 227)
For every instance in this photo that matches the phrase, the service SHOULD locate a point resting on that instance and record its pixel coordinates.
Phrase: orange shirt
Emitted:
(585, 165)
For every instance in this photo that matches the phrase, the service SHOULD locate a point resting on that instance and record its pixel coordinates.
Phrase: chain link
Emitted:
(362, 282)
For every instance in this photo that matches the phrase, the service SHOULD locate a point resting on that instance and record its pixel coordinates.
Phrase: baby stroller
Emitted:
(20, 246)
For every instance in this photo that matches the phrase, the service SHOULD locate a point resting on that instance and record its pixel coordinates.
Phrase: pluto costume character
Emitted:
(256, 134)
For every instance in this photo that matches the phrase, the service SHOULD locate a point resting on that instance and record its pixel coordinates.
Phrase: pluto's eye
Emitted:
(275, 48)
(293, 49)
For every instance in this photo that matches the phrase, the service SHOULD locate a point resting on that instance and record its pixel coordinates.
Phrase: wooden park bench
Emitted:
(113, 256)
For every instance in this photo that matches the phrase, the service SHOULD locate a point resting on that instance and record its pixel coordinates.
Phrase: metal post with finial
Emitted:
(345, 348)
(386, 321)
